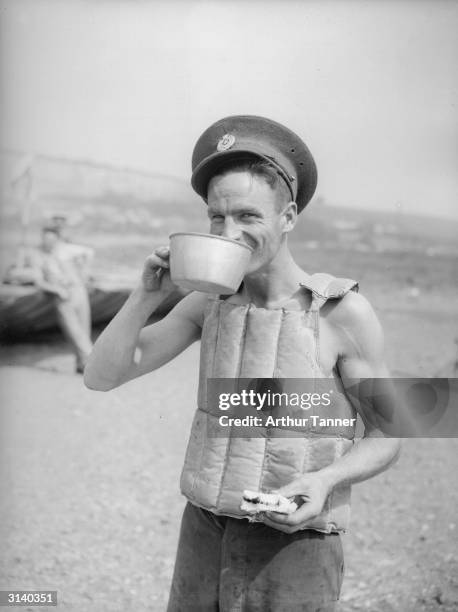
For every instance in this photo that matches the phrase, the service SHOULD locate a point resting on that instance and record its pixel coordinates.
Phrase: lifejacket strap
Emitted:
(324, 287)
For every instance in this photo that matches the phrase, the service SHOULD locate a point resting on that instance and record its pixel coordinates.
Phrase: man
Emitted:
(255, 176)
(59, 269)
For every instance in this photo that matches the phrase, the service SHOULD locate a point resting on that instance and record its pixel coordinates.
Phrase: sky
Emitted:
(370, 85)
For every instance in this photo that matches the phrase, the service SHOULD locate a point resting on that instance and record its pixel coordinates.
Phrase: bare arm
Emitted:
(125, 349)
(82, 256)
(361, 357)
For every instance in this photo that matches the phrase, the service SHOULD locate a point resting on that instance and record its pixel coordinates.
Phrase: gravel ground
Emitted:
(90, 504)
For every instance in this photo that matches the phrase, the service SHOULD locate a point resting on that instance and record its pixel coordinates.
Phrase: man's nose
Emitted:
(231, 229)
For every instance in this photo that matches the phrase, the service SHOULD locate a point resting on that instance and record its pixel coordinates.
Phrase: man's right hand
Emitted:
(156, 272)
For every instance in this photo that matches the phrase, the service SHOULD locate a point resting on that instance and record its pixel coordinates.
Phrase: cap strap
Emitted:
(285, 176)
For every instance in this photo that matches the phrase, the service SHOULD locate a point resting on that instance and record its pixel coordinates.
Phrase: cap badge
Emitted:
(225, 142)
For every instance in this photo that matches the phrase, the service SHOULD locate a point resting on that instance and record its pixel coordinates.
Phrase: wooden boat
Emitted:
(25, 309)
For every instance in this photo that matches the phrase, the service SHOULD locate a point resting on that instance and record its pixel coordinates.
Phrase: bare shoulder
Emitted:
(356, 326)
(352, 311)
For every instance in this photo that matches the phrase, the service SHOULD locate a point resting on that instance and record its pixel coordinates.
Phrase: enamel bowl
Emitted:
(207, 263)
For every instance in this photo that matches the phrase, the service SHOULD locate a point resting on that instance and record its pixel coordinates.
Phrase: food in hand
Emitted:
(254, 502)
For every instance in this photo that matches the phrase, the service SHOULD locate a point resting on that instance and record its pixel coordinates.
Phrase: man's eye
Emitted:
(248, 216)
(217, 217)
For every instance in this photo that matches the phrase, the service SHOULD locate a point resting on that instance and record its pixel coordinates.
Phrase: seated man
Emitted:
(60, 269)
(256, 176)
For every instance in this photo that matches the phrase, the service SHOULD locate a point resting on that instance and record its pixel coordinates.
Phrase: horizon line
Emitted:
(173, 177)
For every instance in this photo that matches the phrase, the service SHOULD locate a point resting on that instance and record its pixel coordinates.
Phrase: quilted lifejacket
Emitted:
(244, 341)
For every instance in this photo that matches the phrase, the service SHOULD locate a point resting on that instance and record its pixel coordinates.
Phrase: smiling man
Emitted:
(256, 176)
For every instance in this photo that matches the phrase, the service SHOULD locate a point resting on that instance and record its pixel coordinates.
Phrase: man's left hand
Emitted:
(313, 489)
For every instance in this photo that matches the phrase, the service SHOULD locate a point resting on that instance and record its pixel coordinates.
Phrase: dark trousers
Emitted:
(232, 565)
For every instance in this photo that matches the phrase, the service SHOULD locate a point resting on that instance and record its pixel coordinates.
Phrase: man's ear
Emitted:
(289, 216)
